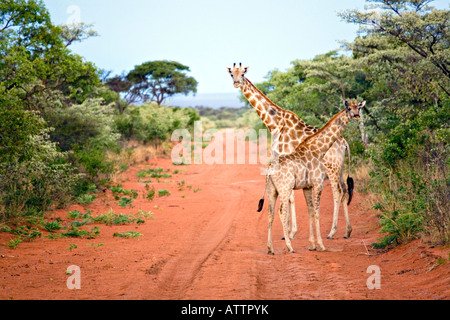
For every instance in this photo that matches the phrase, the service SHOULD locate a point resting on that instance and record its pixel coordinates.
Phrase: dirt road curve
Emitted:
(211, 244)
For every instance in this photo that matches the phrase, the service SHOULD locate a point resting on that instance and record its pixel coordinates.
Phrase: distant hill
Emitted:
(213, 100)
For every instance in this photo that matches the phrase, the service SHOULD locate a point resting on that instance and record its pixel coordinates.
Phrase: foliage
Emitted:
(52, 226)
(77, 32)
(150, 192)
(35, 62)
(163, 193)
(33, 185)
(40, 81)
(151, 122)
(404, 51)
(127, 234)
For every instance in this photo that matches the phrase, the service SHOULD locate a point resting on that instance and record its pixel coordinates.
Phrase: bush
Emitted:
(16, 128)
(44, 180)
(88, 130)
(411, 178)
(151, 122)
(82, 125)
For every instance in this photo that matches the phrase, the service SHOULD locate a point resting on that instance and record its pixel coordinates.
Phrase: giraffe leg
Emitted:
(292, 218)
(272, 196)
(293, 215)
(337, 199)
(309, 202)
(284, 211)
(316, 201)
(288, 219)
(344, 201)
(348, 231)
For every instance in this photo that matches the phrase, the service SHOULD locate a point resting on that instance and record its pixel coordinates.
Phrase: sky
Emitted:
(209, 35)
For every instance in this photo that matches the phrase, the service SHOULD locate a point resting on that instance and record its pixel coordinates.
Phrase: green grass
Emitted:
(73, 229)
(154, 173)
(72, 246)
(75, 214)
(52, 226)
(23, 233)
(111, 218)
(127, 234)
(75, 232)
(150, 192)
(163, 193)
(86, 199)
(118, 190)
(124, 202)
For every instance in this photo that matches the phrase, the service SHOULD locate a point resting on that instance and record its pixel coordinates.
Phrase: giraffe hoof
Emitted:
(330, 237)
(312, 249)
(271, 253)
(283, 238)
(292, 251)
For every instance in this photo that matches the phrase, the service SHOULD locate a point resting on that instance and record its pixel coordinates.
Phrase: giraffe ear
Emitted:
(346, 104)
(362, 104)
(246, 70)
(229, 70)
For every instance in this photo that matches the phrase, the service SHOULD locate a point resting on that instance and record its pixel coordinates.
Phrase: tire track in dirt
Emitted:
(180, 272)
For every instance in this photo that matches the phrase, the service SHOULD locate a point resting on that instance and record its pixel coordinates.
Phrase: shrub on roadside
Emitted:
(43, 180)
(151, 122)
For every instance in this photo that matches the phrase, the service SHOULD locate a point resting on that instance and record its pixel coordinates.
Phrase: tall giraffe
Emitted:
(303, 169)
(291, 130)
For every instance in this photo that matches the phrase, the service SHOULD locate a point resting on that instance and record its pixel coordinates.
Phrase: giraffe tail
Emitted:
(261, 202)
(350, 181)
(350, 186)
(260, 205)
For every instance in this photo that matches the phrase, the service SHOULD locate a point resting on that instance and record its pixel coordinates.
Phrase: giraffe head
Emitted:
(237, 74)
(354, 108)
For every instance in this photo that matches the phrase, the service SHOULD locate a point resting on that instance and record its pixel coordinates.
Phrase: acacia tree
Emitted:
(122, 87)
(158, 80)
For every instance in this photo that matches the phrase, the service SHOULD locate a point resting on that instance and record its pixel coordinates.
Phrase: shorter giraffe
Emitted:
(303, 169)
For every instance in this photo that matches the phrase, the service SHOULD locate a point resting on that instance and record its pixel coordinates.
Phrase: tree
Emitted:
(158, 80)
(122, 87)
(35, 62)
(421, 28)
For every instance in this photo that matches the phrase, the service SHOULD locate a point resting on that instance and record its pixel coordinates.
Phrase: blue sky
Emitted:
(209, 35)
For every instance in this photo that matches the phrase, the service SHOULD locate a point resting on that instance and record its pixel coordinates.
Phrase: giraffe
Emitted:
(288, 131)
(303, 169)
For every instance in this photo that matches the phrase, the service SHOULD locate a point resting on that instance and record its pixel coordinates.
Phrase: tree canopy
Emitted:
(158, 80)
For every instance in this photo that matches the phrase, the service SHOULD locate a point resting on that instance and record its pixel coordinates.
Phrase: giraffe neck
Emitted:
(268, 111)
(323, 139)
(290, 129)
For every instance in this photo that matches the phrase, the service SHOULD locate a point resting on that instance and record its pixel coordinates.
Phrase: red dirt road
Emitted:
(211, 244)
